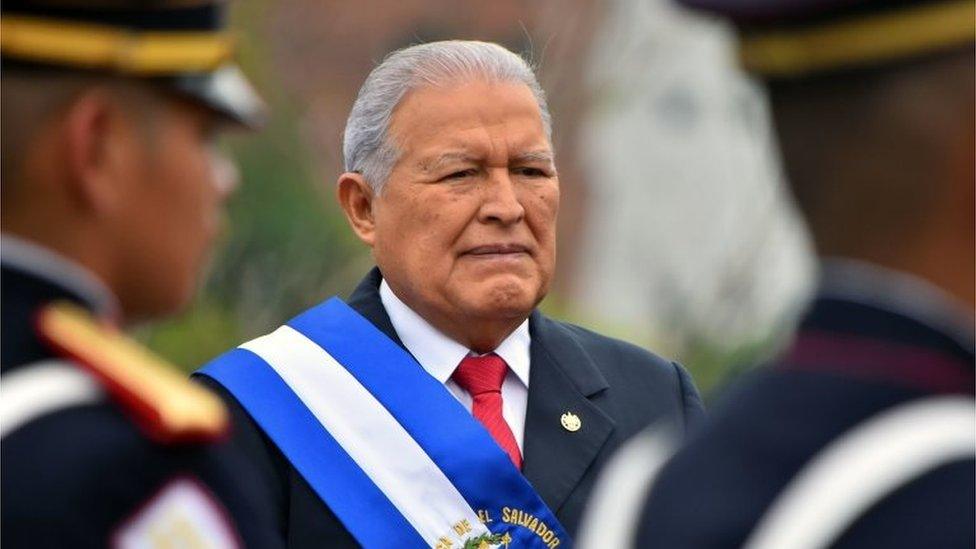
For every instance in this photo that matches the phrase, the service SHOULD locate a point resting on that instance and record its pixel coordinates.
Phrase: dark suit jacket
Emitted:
(615, 388)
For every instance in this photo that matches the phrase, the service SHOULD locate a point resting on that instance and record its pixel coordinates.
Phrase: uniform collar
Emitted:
(438, 353)
(33, 259)
(897, 292)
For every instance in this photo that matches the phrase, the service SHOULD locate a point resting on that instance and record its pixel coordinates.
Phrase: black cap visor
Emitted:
(226, 91)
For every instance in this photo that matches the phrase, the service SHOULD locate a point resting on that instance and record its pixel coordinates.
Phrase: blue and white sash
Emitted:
(386, 447)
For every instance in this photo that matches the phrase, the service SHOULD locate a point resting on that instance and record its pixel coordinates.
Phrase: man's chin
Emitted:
(505, 298)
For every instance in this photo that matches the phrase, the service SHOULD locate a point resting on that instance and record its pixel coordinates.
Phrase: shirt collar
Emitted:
(34, 259)
(439, 354)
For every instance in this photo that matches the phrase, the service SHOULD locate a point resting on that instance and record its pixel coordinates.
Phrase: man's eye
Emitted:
(531, 172)
(210, 133)
(460, 174)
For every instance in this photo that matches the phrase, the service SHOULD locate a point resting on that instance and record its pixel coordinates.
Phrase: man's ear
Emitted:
(356, 198)
(94, 145)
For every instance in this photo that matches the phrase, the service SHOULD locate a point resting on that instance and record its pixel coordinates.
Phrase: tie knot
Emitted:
(481, 374)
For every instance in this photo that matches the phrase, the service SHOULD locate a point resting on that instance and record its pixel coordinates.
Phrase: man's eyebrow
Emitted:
(535, 156)
(432, 164)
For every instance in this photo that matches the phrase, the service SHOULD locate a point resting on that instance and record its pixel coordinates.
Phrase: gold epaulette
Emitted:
(167, 405)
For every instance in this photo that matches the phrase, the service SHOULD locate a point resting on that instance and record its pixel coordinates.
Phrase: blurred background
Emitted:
(674, 230)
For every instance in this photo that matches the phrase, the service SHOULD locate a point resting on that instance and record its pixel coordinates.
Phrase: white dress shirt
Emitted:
(441, 355)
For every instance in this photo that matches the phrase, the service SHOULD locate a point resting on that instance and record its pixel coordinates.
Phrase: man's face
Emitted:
(465, 227)
(173, 199)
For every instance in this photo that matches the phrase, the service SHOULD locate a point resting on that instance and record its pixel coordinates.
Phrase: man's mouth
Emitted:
(489, 250)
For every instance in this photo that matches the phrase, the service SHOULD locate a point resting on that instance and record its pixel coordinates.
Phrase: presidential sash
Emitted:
(398, 460)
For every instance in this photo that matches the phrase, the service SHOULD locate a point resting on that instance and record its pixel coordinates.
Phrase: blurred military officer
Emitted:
(111, 197)
(863, 433)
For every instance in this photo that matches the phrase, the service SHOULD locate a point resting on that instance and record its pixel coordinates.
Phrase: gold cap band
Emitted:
(868, 39)
(91, 46)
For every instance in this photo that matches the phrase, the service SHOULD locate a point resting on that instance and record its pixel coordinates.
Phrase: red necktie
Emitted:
(482, 377)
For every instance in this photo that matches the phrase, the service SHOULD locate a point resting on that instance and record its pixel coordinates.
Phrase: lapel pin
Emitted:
(571, 422)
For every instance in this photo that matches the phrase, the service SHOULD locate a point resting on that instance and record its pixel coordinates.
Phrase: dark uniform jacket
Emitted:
(851, 360)
(615, 388)
(77, 476)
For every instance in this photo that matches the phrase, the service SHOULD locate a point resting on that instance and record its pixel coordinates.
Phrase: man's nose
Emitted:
(226, 176)
(501, 203)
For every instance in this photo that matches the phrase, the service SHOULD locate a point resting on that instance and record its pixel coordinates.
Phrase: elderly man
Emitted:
(361, 415)
(111, 198)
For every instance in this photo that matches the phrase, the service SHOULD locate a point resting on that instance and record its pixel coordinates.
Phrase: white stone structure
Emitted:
(690, 238)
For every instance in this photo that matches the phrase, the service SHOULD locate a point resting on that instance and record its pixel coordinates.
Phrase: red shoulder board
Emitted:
(166, 405)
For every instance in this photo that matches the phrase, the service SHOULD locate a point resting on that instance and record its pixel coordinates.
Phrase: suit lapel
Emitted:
(561, 379)
(365, 300)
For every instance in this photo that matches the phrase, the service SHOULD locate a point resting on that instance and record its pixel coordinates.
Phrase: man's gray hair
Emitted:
(367, 147)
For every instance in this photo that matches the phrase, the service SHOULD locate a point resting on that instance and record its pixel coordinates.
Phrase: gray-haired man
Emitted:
(361, 415)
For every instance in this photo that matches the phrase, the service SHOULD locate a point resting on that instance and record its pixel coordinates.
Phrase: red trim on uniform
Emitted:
(880, 360)
(145, 416)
